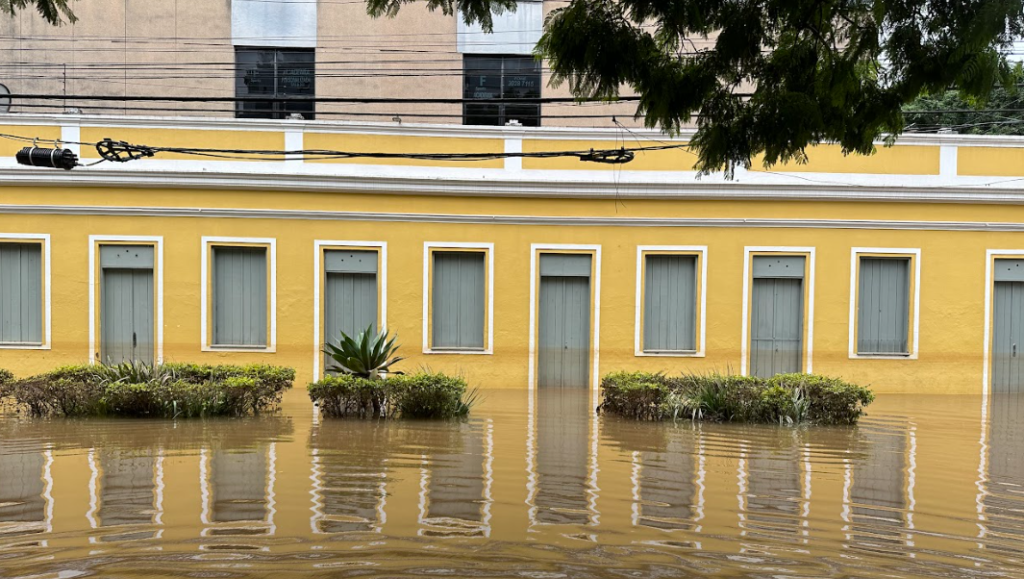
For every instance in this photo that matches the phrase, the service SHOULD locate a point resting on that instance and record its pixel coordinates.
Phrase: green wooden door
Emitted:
(776, 320)
(350, 295)
(564, 322)
(126, 305)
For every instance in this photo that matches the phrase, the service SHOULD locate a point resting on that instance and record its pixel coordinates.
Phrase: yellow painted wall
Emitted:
(952, 278)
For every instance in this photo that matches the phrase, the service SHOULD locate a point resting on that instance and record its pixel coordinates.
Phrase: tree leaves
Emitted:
(771, 77)
(55, 12)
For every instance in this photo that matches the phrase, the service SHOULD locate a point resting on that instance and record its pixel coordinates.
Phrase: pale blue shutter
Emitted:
(458, 299)
(670, 303)
(240, 296)
(884, 305)
(21, 293)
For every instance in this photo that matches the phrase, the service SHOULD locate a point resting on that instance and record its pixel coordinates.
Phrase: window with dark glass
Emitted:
(501, 77)
(274, 73)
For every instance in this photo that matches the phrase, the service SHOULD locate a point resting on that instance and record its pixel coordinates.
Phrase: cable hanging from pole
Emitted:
(116, 151)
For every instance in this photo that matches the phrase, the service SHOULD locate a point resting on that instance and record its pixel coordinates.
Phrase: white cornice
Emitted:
(433, 130)
(532, 184)
(314, 215)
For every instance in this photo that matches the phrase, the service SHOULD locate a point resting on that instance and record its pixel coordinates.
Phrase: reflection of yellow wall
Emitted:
(951, 309)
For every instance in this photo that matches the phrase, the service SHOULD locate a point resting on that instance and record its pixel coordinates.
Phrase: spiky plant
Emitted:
(366, 356)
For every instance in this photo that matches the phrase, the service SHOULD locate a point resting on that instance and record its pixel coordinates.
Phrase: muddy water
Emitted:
(924, 487)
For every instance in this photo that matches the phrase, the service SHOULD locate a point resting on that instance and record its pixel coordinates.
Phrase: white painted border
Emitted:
(206, 247)
(535, 250)
(319, 247)
(990, 256)
(702, 251)
(47, 304)
(855, 254)
(158, 242)
(809, 292)
(434, 245)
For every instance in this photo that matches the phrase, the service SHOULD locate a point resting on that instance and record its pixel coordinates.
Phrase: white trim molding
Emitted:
(319, 247)
(488, 248)
(535, 250)
(44, 239)
(701, 251)
(157, 241)
(808, 292)
(204, 277)
(915, 310)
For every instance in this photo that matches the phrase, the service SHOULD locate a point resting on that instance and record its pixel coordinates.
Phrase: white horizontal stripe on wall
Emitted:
(513, 32)
(281, 23)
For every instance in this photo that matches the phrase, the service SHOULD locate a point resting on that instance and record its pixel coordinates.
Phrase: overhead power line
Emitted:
(123, 152)
(316, 99)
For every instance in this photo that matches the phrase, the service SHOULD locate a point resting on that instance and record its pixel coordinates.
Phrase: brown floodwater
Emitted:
(925, 486)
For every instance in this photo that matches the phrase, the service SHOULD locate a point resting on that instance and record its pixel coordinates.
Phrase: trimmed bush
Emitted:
(168, 391)
(421, 395)
(786, 398)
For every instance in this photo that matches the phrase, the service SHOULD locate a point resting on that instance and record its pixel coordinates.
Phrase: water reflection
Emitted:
(126, 493)
(561, 469)
(901, 495)
(26, 503)
(1002, 526)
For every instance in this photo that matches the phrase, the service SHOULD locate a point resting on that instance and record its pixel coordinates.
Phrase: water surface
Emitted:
(925, 486)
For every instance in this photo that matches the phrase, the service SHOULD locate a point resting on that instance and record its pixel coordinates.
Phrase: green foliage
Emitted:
(53, 11)
(169, 390)
(962, 114)
(785, 399)
(769, 77)
(366, 356)
(421, 395)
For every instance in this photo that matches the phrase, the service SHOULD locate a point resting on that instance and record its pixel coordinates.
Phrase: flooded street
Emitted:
(925, 486)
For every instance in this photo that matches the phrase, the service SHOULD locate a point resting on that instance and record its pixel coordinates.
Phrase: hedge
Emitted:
(168, 390)
(785, 398)
(421, 395)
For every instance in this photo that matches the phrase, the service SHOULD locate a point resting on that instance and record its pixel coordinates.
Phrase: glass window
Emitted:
(501, 77)
(274, 72)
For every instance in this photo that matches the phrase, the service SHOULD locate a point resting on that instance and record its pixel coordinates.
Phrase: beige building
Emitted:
(256, 49)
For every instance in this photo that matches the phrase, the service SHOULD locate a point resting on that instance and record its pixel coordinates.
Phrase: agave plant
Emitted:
(366, 356)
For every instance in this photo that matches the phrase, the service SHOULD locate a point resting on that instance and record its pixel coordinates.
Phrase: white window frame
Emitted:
(44, 238)
(535, 250)
(641, 252)
(748, 252)
(320, 246)
(157, 241)
(991, 255)
(428, 248)
(206, 247)
(915, 323)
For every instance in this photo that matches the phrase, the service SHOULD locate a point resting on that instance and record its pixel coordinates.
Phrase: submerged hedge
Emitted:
(168, 390)
(786, 398)
(421, 395)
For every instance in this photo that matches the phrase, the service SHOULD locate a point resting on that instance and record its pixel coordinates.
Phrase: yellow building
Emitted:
(897, 270)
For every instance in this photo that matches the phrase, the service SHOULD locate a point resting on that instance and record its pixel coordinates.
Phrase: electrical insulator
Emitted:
(52, 158)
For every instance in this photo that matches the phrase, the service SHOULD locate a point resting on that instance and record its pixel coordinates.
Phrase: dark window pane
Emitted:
(274, 73)
(481, 114)
(501, 77)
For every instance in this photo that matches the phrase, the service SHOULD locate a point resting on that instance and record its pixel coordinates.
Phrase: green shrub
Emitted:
(169, 390)
(366, 356)
(786, 398)
(421, 395)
